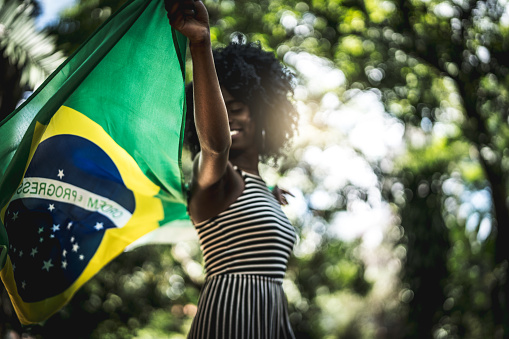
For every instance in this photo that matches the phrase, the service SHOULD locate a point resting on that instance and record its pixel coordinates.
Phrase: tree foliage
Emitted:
(27, 56)
(438, 70)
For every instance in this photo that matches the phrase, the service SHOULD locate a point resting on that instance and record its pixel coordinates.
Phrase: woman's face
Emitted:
(242, 127)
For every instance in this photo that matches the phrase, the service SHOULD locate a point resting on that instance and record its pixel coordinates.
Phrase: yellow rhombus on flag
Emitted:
(91, 161)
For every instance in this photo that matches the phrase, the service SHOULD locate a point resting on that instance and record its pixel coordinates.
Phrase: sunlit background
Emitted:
(50, 11)
(399, 174)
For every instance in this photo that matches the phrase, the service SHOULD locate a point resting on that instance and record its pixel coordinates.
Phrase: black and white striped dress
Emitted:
(246, 250)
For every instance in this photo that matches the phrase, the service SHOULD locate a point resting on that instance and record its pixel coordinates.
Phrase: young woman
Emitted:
(241, 115)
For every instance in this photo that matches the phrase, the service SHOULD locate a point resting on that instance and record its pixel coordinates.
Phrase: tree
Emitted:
(80, 21)
(437, 67)
(27, 56)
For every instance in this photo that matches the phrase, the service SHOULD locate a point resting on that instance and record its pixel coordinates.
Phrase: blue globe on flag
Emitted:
(60, 212)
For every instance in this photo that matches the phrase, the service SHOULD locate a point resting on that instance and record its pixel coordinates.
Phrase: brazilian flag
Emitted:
(91, 161)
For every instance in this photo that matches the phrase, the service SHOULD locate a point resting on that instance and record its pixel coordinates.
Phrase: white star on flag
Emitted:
(82, 257)
(14, 215)
(20, 254)
(69, 225)
(60, 174)
(56, 228)
(51, 207)
(41, 229)
(34, 252)
(99, 226)
(47, 265)
(23, 284)
(75, 247)
(64, 253)
(64, 264)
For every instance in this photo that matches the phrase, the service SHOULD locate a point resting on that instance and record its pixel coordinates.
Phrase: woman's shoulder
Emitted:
(206, 203)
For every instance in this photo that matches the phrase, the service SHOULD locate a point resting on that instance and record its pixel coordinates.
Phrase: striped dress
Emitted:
(246, 250)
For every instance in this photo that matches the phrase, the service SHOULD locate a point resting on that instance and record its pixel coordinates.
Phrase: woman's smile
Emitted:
(242, 129)
(234, 132)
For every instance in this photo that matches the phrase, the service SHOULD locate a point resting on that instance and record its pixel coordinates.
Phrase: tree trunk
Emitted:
(500, 296)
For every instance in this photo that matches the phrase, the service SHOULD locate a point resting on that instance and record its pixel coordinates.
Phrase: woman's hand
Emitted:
(190, 18)
(279, 194)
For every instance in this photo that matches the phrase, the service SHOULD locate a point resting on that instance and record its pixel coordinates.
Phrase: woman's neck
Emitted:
(246, 161)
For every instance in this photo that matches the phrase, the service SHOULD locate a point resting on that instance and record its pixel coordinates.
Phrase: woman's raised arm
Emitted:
(211, 118)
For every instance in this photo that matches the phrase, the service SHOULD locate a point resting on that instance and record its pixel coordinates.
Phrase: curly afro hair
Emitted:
(258, 79)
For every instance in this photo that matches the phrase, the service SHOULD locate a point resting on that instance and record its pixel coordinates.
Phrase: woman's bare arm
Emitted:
(210, 115)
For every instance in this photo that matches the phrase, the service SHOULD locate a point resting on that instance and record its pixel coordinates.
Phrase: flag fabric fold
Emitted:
(91, 162)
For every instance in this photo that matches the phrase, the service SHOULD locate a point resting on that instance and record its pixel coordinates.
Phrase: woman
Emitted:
(240, 115)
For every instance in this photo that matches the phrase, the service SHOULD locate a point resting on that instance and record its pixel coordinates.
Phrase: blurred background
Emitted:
(399, 171)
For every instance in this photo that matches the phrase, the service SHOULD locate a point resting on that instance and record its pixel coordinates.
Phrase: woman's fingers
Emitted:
(200, 12)
(189, 17)
(280, 193)
(178, 9)
(287, 192)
